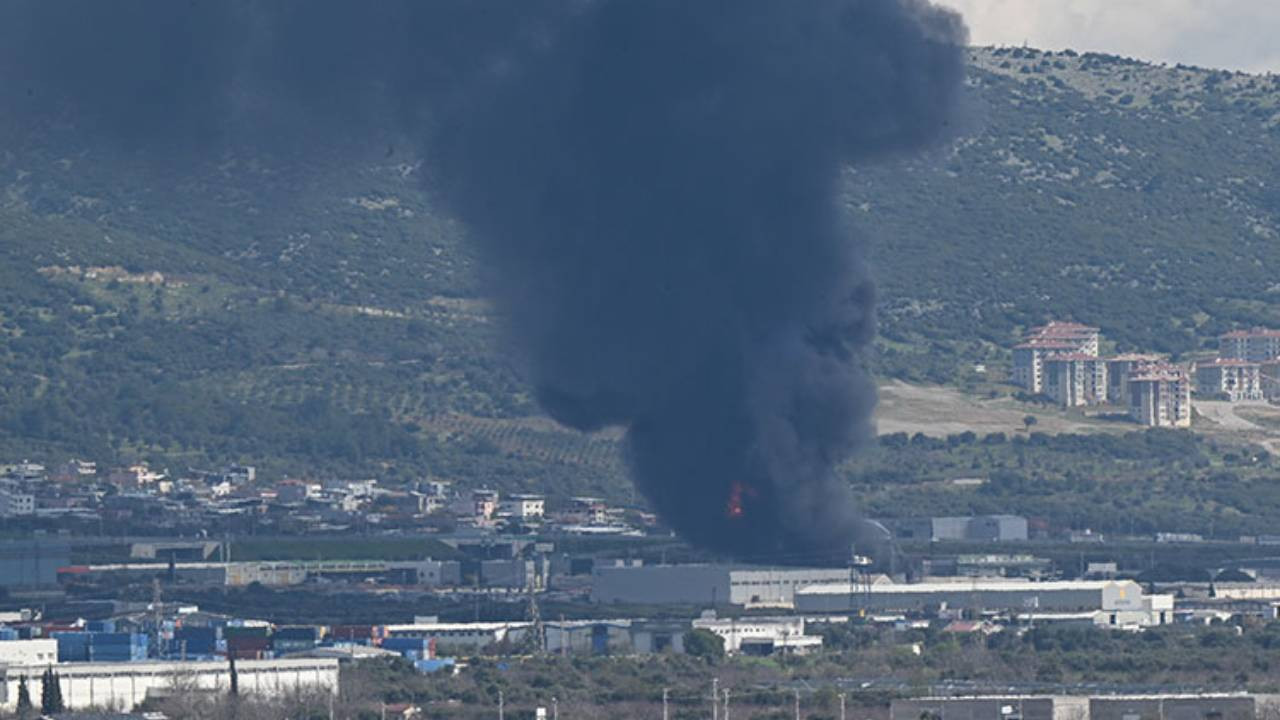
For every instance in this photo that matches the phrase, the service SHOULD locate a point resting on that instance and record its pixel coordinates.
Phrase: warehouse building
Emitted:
(98, 685)
(32, 563)
(1101, 707)
(981, 528)
(706, 584)
(1122, 601)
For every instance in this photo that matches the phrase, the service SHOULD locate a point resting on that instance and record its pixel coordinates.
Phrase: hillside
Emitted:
(317, 316)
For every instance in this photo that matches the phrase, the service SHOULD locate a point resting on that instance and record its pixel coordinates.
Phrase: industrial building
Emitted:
(980, 528)
(1100, 707)
(472, 636)
(1112, 602)
(761, 635)
(42, 651)
(516, 574)
(98, 685)
(32, 563)
(1160, 396)
(1230, 377)
(706, 584)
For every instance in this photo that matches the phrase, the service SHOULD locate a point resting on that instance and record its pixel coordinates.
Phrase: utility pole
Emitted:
(500, 716)
(842, 715)
(555, 708)
(797, 692)
(726, 704)
(715, 698)
(666, 694)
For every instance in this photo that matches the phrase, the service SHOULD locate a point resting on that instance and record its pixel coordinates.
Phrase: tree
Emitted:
(702, 643)
(50, 693)
(1029, 420)
(24, 698)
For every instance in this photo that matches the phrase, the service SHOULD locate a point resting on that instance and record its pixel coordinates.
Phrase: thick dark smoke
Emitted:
(653, 183)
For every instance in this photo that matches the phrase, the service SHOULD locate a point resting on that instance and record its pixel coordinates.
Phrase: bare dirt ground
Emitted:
(1257, 422)
(938, 411)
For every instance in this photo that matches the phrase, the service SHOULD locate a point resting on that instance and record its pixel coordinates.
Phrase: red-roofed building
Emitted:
(1235, 378)
(1054, 338)
(1256, 345)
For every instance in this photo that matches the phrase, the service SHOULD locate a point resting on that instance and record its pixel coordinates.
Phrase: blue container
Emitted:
(8, 634)
(198, 640)
(431, 666)
(72, 646)
(400, 644)
(100, 626)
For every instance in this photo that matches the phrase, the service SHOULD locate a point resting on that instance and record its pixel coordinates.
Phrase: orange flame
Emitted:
(733, 507)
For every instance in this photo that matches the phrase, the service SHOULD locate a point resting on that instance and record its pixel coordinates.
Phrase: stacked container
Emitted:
(117, 647)
(294, 639)
(248, 642)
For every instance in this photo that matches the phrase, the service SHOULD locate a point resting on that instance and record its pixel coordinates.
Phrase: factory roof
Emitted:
(975, 586)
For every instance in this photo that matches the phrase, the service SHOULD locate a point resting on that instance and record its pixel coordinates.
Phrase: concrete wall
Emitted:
(125, 685)
(1150, 707)
(1030, 708)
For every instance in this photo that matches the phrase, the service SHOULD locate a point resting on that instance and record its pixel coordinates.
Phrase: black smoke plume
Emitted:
(653, 183)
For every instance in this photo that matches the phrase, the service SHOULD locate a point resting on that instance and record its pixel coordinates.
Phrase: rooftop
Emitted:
(974, 586)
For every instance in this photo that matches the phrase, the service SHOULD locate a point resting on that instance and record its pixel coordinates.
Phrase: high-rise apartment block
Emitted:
(1257, 345)
(1160, 396)
(1233, 378)
(1075, 379)
(1054, 338)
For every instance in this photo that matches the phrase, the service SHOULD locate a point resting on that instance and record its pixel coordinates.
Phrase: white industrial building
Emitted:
(761, 635)
(706, 584)
(125, 685)
(1119, 602)
(42, 651)
(474, 636)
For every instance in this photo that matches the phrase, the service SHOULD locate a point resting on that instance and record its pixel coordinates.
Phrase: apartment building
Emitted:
(1119, 369)
(1235, 378)
(1054, 338)
(1160, 396)
(1075, 379)
(1256, 345)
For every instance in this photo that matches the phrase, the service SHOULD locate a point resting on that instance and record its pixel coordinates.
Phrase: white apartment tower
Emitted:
(1054, 338)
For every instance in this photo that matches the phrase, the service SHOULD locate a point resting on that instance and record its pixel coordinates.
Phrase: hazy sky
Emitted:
(1231, 34)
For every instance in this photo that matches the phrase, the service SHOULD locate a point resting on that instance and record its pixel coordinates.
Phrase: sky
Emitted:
(1225, 34)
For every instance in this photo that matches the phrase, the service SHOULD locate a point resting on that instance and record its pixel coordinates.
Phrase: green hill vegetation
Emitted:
(318, 316)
